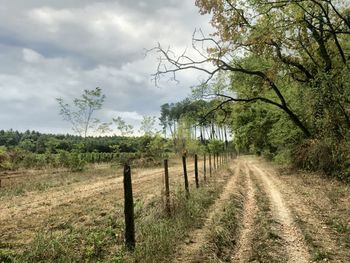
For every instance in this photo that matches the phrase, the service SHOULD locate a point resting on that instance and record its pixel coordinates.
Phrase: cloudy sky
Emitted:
(58, 48)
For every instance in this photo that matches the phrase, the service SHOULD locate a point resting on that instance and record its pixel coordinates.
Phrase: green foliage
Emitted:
(80, 113)
(156, 147)
(290, 66)
(215, 146)
(7, 256)
(68, 150)
(123, 128)
(147, 125)
(192, 124)
(324, 155)
(4, 159)
(74, 161)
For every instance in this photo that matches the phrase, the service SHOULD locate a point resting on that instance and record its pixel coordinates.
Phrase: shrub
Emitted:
(324, 155)
(4, 159)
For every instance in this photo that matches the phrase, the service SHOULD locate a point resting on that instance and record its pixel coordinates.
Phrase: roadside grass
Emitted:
(341, 228)
(317, 251)
(223, 237)
(101, 239)
(328, 201)
(321, 210)
(266, 242)
(159, 234)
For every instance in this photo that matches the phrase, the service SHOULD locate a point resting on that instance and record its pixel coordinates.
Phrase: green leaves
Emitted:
(80, 113)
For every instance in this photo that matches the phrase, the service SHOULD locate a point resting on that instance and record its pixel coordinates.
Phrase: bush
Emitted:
(76, 163)
(324, 155)
(283, 156)
(72, 161)
(4, 159)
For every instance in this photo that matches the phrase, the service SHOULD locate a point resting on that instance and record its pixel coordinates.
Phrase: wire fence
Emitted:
(143, 182)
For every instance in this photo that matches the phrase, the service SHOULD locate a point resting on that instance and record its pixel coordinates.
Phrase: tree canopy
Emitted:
(284, 68)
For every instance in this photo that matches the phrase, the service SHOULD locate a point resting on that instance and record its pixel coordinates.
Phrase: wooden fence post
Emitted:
(196, 170)
(210, 168)
(185, 175)
(167, 191)
(129, 209)
(205, 167)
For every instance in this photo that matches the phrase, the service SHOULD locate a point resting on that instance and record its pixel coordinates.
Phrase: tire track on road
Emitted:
(291, 234)
(244, 246)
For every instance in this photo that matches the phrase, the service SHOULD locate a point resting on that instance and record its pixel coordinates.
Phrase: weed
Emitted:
(321, 255)
(315, 248)
(158, 233)
(223, 238)
(340, 227)
(6, 256)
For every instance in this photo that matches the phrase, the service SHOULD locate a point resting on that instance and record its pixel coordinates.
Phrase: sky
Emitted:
(57, 48)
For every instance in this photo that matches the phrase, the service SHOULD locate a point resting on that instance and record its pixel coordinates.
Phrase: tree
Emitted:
(80, 114)
(165, 118)
(271, 47)
(147, 125)
(123, 128)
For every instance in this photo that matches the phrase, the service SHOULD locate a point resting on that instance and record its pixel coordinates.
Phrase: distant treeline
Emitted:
(36, 142)
(32, 149)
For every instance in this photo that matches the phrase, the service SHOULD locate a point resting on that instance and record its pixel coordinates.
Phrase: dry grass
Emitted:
(83, 220)
(45, 180)
(225, 228)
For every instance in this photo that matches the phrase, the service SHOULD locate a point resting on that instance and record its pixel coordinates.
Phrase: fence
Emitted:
(219, 160)
(195, 171)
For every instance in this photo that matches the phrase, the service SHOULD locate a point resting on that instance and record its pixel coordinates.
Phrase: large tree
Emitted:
(272, 49)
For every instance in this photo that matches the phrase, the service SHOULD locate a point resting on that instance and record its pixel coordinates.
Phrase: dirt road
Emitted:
(280, 221)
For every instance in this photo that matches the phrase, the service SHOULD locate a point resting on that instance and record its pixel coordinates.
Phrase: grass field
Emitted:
(249, 210)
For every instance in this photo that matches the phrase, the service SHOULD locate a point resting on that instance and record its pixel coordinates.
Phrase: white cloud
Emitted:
(31, 56)
(52, 48)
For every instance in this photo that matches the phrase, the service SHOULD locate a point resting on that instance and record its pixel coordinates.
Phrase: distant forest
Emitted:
(36, 142)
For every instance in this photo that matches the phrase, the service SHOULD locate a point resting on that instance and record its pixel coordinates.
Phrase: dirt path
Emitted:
(188, 252)
(291, 234)
(243, 248)
(293, 240)
(317, 212)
